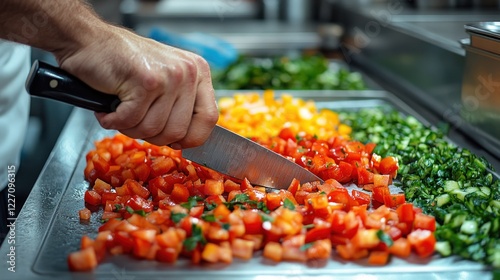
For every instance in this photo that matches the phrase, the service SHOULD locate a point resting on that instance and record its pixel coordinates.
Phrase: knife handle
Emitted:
(45, 80)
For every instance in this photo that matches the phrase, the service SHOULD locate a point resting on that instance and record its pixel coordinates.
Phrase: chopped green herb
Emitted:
(266, 217)
(140, 212)
(129, 210)
(288, 204)
(210, 206)
(308, 226)
(226, 226)
(385, 238)
(177, 217)
(192, 202)
(261, 205)
(208, 217)
(306, 246)
(118, 207)
(196, 237)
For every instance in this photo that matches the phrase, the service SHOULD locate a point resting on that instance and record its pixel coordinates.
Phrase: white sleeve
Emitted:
(14, 104)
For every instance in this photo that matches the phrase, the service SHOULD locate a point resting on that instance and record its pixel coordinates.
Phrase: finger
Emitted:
(205, 116)
(154, 121)
(178, 121)
(127, 115)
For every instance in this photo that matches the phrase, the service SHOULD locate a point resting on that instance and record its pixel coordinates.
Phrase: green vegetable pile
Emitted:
(306, 72)
(448, 182)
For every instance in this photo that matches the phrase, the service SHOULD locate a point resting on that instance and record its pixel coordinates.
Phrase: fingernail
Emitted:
(176, 146)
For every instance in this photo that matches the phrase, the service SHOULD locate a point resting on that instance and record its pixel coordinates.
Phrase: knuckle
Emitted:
(177, 134)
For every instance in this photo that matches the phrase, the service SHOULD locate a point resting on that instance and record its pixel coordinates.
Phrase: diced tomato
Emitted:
(423, 221)
(100, 186)
(167, 255)
(92, 197)
(401, 248)
(388, 165)
(394, 200)
(365, 239)
(135, 188)
(273, 251)
(423, 242)
(213, 187)
(84, 214)
(142, 172)
(253, 222)
(364, 176)
(138, 203)
(361, 197)
(161, 165)
(406, 213)
(179, 193)
(379, 193)
(242, 249)
(83, 260)
(378, 258)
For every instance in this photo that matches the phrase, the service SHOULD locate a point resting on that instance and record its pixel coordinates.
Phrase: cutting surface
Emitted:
(49, 227)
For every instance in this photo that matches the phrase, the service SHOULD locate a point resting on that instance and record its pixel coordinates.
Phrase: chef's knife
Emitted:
(224, 151)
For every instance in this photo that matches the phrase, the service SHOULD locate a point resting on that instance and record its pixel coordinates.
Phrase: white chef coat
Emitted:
(14, 104)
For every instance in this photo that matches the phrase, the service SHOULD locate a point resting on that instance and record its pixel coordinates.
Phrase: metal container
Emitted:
(48, 228)
(481, 83)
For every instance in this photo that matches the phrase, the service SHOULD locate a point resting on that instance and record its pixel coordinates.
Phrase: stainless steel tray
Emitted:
(48, 227)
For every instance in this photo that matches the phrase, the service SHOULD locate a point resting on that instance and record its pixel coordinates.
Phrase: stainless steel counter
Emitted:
(48, 228)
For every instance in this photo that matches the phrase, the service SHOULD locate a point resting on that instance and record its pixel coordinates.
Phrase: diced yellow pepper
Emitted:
(253, 115)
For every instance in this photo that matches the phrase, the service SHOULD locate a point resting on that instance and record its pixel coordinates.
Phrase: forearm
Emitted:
(57, 26)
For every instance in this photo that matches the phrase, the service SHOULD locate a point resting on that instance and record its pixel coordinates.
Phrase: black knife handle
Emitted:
(52, 82)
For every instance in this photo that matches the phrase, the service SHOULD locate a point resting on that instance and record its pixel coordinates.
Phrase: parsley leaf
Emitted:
(263, 207)
(226, 226)
(210, 206)
(288, 204)
(118, 207)
(129, 210)
(306, 246)
(208, 217)
(266, 218)
(385, 238)
(141, 212)
(192, 202)
(177, 217)
(196, 237)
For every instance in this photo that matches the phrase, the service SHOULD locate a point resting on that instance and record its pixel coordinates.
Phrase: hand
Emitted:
(166, 93)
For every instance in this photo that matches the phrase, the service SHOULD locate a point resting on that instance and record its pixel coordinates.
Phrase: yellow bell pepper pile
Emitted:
(253, 115)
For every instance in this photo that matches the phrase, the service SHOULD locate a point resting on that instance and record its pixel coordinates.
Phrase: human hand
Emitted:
(166, 93)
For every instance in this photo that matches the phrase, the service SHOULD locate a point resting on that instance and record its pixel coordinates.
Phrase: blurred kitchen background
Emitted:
(413, 48)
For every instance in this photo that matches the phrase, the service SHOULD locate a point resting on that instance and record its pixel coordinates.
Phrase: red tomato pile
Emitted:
(160, 206)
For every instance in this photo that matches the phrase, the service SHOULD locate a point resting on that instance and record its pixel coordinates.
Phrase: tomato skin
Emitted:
(167, 255)
(253, 222)
(406, 213)
(92, 198)
(424, 222)
(378, 258)
(317, 233)
(364, 176)
(139, 203)
(388, 165)
(84, 214)
(83, 260)
(401, 248)
(422, 242)
(361, 197)
(179, 193)
(213, 187)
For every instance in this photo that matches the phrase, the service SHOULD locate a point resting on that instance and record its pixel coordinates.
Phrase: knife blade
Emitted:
(224, 151)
